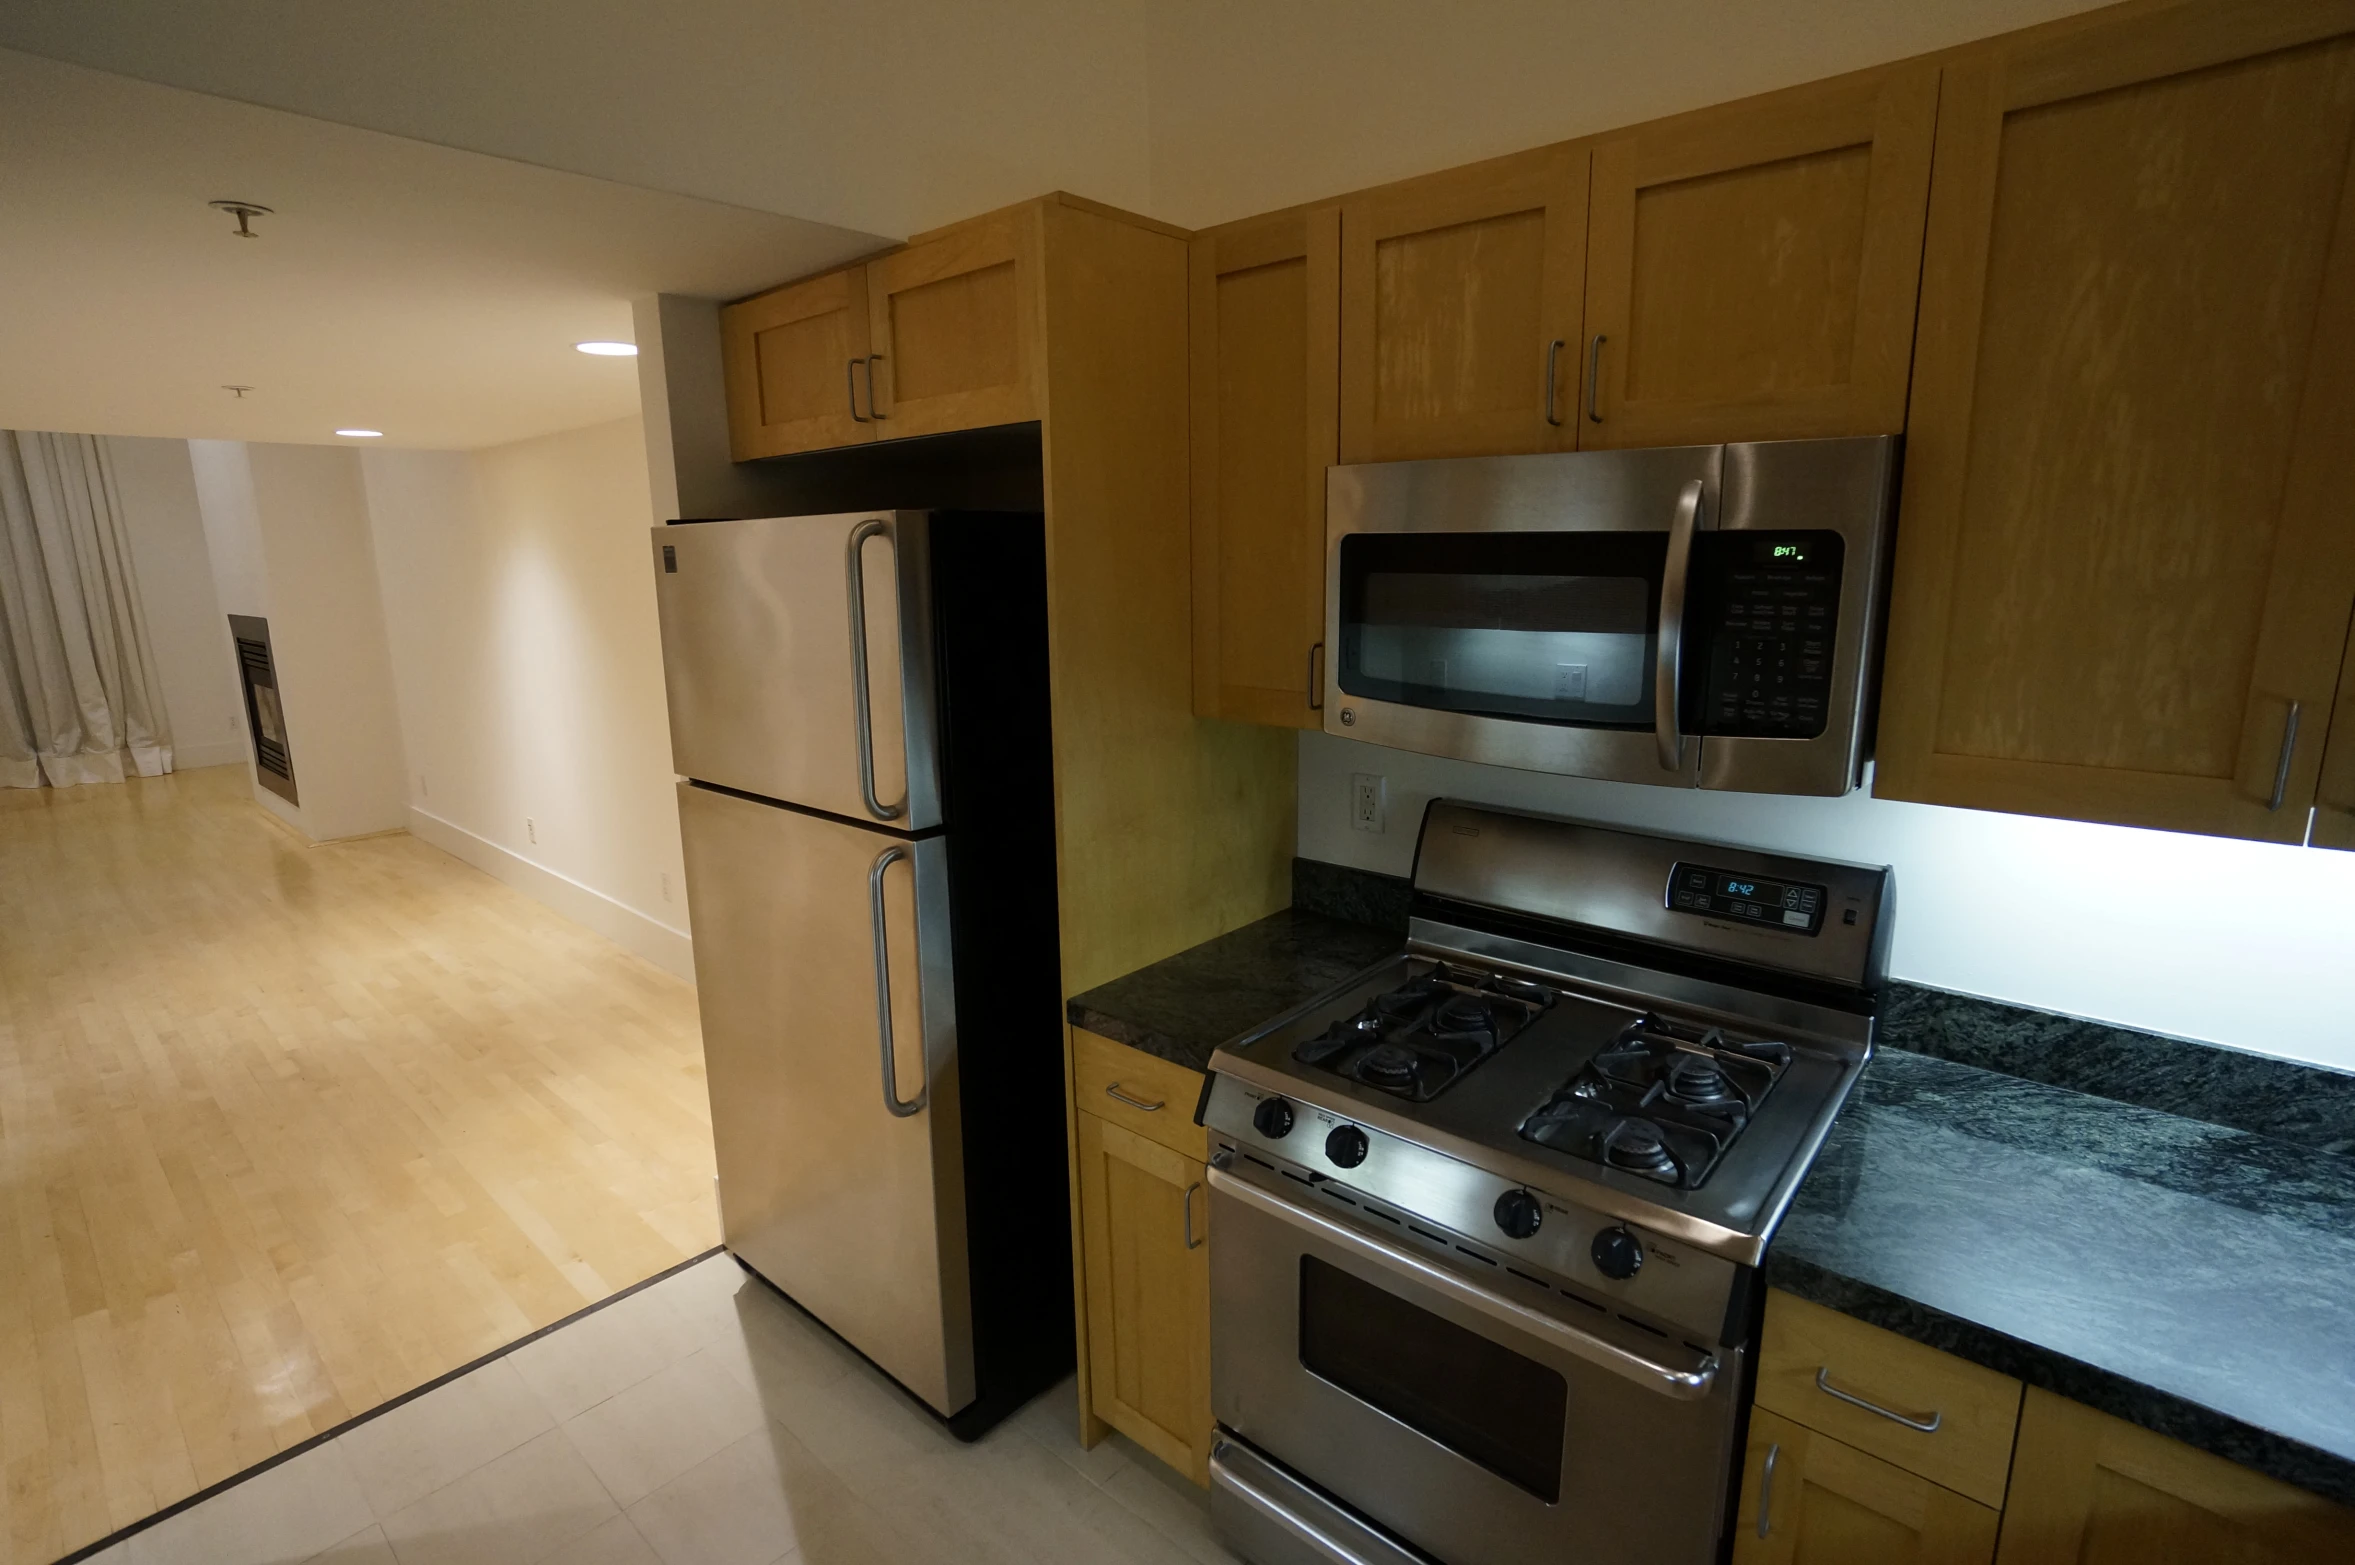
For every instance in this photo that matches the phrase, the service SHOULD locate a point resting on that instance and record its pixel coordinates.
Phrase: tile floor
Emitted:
(701, 1421)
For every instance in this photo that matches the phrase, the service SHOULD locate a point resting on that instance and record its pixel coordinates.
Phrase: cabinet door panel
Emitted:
(2126, 549)
(1752, 270)
(954, 320)
(2334, 797)
(1265, 322)
(1148, 1293)
(792, 357)
(2089, 1489)
(1828, 1504)
(1455, 291)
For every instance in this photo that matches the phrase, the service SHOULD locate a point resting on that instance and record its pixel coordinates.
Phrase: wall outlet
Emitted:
(1366, 800)
(531, 829)
(666, 885)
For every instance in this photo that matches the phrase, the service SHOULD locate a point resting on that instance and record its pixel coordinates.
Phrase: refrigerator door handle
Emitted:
(900, 1108)
(863, 718)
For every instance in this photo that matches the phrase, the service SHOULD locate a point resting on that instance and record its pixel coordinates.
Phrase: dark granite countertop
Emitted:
(1187, 1005)
(2188, 1277)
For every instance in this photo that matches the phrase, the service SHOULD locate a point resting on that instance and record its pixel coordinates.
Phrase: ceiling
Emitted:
(427, 292)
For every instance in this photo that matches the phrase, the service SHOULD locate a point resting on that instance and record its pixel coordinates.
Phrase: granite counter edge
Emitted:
(2202, 1427)
(1177, 1051)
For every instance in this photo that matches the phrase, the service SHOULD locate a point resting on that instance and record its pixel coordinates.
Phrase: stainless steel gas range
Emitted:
(1489, 1216)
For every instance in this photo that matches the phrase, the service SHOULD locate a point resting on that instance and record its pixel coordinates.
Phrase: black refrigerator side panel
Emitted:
(990, 620)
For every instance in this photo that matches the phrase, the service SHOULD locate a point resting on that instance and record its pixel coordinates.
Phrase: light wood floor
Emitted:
(286, 1130)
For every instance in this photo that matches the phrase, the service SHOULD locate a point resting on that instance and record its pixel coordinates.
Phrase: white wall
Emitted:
(2238, 943)
(528, 663)
(194, 657)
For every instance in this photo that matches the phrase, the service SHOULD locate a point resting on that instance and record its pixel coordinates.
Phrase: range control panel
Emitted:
(1769, 602)
(1750, 899)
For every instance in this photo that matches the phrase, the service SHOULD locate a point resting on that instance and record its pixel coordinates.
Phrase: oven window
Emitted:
(1477, 1398)
(1546, 627)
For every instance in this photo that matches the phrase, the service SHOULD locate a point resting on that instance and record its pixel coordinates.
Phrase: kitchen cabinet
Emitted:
(2087, 1487)
(1144, 1241)
(2127, 555)
(955, 325)
(1808, 1499)
(2334, 796)
(1264, 359)
(1460, 301)
(793, 358)
(1751, 269)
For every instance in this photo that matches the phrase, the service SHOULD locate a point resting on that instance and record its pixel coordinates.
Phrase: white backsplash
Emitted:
(2238, 943)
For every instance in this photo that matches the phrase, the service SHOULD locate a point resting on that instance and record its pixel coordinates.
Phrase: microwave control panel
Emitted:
(1751, 899)
(1768, 604)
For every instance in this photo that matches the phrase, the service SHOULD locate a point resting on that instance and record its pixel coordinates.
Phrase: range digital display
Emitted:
(1749, 899)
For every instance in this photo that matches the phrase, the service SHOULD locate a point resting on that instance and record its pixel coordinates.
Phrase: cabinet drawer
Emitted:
(1817, 1365)
(1117, 1083)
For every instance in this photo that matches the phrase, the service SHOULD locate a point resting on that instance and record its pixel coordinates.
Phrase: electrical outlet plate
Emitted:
(1367, 798)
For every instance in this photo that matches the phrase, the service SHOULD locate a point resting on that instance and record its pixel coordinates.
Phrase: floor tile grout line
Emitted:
(92, 1550)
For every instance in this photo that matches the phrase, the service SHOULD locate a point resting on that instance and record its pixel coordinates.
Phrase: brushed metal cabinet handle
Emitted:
(1192, 1243)
(874, 408)
(1926, 1426)
(1594, 370)
(861, 711)
(1116, 1095)
(1668, 657)
(1553, 351)
(1766, 1488)
(2289, 748)
(1316, 677)
(900, 1108)
(850, 389)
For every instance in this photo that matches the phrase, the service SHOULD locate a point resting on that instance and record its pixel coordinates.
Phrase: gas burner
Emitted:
(1664, 1100)
(1419, 1039)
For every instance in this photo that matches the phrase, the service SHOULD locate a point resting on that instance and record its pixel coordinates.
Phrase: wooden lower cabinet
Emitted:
(1145, 1256)
(1807, 1499)
(2088, 1489)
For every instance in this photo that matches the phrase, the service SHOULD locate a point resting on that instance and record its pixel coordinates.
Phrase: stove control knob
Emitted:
(1518, 1214)
(1272, 1119)
(1617, 1254)
(1346, 1146)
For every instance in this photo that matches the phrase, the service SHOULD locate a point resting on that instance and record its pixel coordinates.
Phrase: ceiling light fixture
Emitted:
(244, 212)
(361, 434)
(609, 350)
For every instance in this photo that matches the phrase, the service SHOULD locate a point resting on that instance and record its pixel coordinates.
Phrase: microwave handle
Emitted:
(1668, 669)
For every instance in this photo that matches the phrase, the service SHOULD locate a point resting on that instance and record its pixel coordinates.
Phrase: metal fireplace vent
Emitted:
(265, 719)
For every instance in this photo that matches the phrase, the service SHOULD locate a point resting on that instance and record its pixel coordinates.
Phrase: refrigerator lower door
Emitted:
(836, 1119)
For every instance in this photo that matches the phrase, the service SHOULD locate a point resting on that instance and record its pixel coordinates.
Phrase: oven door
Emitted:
(1482, 1421)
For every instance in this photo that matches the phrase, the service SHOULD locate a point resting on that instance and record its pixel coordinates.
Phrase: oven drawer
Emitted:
(1139, 1092)
(1818, 1366)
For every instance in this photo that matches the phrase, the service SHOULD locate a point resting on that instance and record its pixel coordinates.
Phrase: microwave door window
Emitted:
(1542, 627)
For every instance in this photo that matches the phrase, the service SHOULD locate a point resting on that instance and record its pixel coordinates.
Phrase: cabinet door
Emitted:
(1751, 271)
(794, 358)
(2127, 553)
(1265, 319)
(2089, 1488)
(1145, 1212)
(2334, 796)
(1460, 298)
(1825, 1503)
(956, 328)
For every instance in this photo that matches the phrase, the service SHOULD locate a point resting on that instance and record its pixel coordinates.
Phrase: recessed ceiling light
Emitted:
(609, 350)
(362, 434)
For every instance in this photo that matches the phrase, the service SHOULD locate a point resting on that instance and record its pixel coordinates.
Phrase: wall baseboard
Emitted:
(667, 948)
(187, 757)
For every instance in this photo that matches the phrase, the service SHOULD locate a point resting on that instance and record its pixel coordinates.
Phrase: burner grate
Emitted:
(1419, 1039)
(1664, 1101)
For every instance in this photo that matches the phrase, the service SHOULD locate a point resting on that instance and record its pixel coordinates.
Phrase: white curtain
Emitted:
(79, 697)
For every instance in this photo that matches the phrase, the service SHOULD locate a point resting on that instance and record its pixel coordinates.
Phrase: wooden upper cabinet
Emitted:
(1265, 317)
(2126, 557)
(1751, 270)
(794, 358)
(955, 327)
(2087, 1488)
(1459, 293)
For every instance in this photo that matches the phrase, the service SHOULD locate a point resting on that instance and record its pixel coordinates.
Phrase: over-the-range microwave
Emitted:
(1689, 615)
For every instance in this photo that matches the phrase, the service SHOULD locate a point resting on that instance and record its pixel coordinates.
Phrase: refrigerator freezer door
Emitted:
(765, 628)
(841, 1161)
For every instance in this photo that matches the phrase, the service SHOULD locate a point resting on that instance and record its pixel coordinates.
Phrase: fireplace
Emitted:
(265, 719)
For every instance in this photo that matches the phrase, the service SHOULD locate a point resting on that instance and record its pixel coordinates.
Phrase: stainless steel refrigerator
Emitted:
(858, 711)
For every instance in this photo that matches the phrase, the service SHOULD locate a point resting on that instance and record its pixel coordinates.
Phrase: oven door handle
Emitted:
(1685, 1385)
(1668, 666)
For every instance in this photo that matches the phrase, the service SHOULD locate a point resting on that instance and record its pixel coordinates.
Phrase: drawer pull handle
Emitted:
(1823, 1383)
(1116, 1095)
(1766, 1488)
